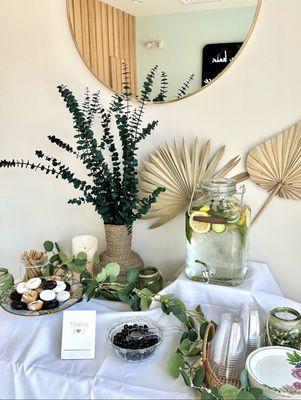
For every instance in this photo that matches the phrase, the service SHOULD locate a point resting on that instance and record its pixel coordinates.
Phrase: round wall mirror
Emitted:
(191, 41)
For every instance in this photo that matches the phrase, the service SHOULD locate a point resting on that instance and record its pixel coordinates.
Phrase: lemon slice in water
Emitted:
(197, 226)
(205, 208)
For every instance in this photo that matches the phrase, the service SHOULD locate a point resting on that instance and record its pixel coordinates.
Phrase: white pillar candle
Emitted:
(86, 244)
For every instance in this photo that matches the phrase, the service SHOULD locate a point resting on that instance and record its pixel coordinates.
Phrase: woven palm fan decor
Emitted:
(179, 171)
(275, 165)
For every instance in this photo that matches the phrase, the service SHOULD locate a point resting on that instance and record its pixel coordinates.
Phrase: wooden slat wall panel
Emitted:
(106, 39)
(132, 60)
(99, 45)
(71, 14)
(78, 25)
(85, 31)
(92, 36)
(105, 13)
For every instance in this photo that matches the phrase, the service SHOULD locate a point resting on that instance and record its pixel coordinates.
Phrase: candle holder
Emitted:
(283, 328)
(86, 244)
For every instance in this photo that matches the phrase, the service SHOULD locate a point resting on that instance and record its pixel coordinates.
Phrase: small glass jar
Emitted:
(6, 281)
(217, 230)
(151, 278)
(284, 328)
(31, 265)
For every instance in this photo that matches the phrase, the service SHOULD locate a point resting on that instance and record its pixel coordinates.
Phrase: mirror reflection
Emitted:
(191, 41)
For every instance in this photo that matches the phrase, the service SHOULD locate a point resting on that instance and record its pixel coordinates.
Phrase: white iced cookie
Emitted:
(60, 287)
(47, 295)
(21, 288)
(33, 283)
(63, 296)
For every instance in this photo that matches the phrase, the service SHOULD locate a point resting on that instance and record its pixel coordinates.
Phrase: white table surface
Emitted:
(31, 368)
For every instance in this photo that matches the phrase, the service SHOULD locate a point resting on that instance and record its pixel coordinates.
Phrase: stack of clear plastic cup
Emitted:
(228, 349)
(253, 326)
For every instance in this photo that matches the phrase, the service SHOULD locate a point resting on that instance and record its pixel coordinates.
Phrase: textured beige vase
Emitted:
(119, 249)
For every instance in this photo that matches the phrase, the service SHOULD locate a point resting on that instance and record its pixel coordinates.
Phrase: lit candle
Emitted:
(285, 315)
(86, 244)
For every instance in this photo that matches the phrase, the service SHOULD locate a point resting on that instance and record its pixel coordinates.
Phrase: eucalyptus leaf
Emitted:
(244, 379)
(203, 328)
(96, 259)
(76, 267)
(185, 345)
(54, 258)
(184, 336)
(192, 335)
(63, 257)
(112, 269)
(101, 276)
(199, 377)
(185, 377)
(174, 362)
(82, 256)
(257, 393)
(79, 262)
(48, 270)
(179, 313)
(191, 322)
(135, 303)
(85, 275)
(228, 392)
(90, 288)
(166, 298)
(244, 395)
(48, 246)
(144, 303)
(165, 308)
(132, 275)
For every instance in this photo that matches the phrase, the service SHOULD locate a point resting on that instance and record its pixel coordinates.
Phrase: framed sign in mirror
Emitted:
(180, 36)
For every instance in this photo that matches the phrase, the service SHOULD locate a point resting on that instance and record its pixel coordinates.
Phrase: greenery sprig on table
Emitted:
(59, 263)
(113, 184)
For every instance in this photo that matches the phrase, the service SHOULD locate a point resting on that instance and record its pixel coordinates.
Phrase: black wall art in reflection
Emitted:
(216, 57)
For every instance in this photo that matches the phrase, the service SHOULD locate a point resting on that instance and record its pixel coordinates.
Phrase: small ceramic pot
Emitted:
(6, 281)
(151, 278)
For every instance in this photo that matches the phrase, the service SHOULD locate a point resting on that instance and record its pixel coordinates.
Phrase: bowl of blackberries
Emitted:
(135, 339)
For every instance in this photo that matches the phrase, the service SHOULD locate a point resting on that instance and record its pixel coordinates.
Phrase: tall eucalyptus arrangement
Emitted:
(112, 178)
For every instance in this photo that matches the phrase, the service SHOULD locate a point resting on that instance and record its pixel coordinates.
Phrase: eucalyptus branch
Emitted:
(113, 191)
(63, 145)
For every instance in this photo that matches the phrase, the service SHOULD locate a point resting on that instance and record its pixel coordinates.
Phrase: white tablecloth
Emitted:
(31, 368)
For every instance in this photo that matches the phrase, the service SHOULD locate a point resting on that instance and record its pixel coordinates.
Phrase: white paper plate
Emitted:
(269, 369)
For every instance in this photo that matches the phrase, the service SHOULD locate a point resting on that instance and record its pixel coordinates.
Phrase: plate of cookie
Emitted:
(42, 296)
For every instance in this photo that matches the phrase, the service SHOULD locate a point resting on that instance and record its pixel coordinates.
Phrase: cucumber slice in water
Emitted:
(218, 228)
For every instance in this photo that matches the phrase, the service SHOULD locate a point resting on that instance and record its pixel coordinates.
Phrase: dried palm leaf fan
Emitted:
(275, 165)
(179, 171)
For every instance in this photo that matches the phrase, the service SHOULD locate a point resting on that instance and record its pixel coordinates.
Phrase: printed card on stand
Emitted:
(78, 335)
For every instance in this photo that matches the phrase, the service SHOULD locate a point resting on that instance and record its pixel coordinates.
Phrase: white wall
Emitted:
(184, 35)
(256, 98)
